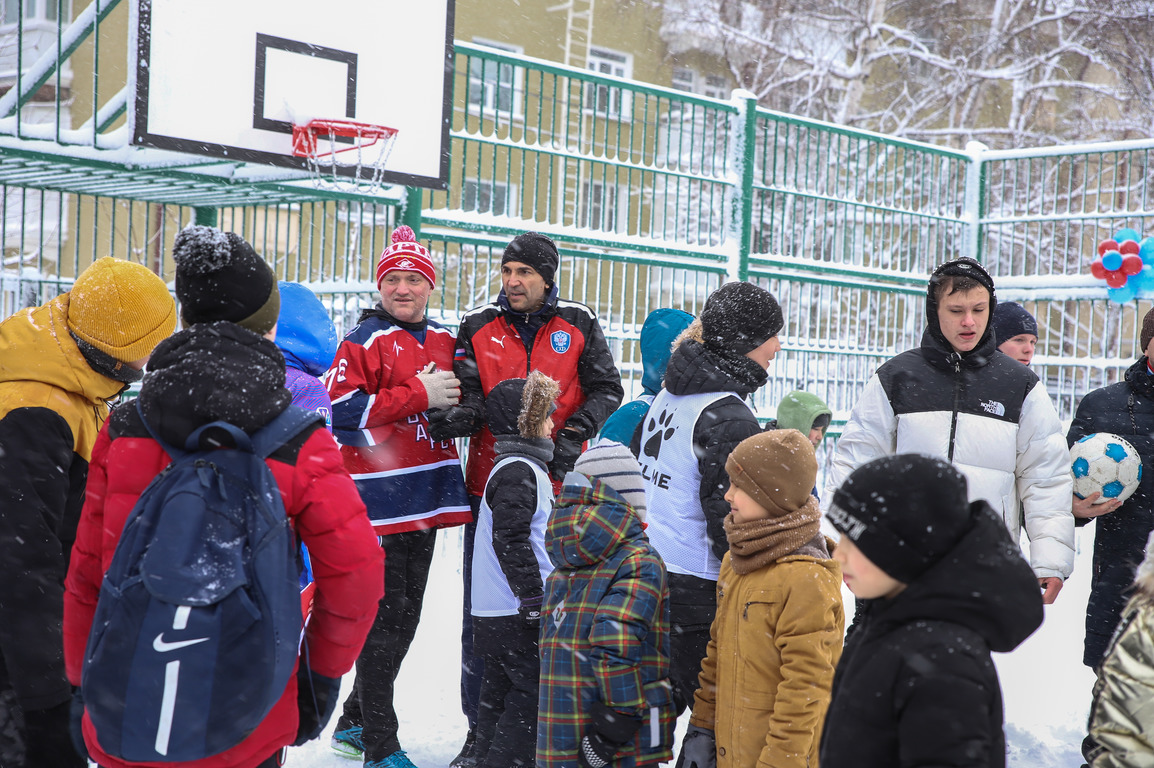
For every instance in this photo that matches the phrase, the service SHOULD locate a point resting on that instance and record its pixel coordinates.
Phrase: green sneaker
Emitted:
(348, 743)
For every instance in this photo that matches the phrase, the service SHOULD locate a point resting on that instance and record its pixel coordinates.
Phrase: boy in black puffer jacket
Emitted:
(1125, 409)
(510, 566)
(916, 684)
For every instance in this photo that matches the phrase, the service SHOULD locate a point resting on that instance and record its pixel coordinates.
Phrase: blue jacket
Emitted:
(658, 333)
(305, 333)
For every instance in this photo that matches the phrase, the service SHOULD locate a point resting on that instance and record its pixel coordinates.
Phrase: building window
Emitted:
(484, 196)
(599, 205)
(684, 79)
(33, 10)
(716, 87)
(608, 100)
(493, 85)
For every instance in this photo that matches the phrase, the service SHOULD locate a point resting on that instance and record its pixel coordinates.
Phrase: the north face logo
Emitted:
(994, 407)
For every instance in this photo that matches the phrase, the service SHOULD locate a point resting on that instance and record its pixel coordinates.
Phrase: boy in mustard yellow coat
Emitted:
(766, 677)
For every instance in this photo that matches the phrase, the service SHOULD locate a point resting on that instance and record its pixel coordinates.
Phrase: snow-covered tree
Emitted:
(1007, 73)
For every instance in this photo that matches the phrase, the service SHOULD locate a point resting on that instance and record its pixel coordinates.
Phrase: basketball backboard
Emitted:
(228, 78)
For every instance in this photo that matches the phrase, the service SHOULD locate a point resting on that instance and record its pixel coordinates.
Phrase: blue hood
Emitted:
(657, 336)
(305, 333)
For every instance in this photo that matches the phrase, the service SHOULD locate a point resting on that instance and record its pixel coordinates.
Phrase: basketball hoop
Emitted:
(316, 141)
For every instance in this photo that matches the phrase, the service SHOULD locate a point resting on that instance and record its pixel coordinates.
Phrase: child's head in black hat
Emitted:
(898, 515)
(220, 277)
(740, 318)
(1015, 331)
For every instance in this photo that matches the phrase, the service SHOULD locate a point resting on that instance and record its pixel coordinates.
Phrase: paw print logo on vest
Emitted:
(662, 432)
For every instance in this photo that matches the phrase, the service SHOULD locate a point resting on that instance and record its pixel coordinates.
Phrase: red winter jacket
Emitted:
(569, 346)
(328, 516)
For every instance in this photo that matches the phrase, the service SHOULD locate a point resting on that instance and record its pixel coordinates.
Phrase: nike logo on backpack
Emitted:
(160, 646)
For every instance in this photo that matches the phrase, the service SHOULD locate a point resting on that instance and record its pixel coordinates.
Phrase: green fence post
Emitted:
(742, 209)
(205, 216)
(975, 201)
(411, 210)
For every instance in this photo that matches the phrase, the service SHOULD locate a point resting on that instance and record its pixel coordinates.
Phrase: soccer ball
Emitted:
(1107, 463)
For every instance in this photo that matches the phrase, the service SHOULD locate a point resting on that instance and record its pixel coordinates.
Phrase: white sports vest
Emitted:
(673, 483)
(491, 594)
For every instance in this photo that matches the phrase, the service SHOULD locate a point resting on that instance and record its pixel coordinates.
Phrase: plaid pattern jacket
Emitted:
(605, 632)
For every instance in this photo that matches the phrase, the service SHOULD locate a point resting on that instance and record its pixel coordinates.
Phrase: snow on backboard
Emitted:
(228, 78)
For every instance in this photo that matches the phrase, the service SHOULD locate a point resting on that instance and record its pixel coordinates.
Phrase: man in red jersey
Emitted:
(389, 373)
(527, 328)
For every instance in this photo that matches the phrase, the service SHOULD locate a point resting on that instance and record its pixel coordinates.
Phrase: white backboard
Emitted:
(228, 78)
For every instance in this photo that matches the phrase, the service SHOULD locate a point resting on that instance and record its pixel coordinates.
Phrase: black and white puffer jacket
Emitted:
(987, 414)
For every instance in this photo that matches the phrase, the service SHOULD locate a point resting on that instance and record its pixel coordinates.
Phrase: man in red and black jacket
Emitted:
(527, 328)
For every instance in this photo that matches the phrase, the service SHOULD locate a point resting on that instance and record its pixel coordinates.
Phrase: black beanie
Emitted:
(904, 512)
(220, 277)
(740, 317)
(1011, 319)
(503, 406)
(536, 250)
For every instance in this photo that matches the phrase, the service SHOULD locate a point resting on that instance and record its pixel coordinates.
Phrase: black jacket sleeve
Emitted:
(41, 492)
(512, 495)
(719, 429)
(601, 383)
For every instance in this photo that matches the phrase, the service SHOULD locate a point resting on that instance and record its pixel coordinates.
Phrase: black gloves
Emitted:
(698, 749)
(316, 699)
(75, 724)
(44, 741)
(530, 610)
(611, 730)
(450, 423)
(566, 449)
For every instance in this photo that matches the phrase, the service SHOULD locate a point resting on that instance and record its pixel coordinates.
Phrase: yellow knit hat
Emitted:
(121, 308)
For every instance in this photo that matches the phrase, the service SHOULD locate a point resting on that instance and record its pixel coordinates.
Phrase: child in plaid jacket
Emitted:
(605, 695)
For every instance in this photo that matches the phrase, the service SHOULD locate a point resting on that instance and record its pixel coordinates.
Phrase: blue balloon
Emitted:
(1143, 282)
(1146, 250)
(1122, 295)
(1112, 261)
(1124, 234)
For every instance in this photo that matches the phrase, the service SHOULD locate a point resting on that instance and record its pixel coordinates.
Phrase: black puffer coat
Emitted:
(916, 685)
(1127, 410)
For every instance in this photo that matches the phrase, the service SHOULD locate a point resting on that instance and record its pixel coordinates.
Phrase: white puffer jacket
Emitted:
(988, 415)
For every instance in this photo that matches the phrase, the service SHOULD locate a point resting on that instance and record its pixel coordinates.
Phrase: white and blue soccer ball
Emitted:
(1107, 463)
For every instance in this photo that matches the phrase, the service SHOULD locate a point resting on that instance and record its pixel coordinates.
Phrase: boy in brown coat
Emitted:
(766, 677)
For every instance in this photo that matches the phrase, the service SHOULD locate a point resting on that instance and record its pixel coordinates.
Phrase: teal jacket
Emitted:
(661, 328)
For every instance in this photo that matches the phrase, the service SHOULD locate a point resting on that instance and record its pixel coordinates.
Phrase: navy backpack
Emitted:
(198, 623)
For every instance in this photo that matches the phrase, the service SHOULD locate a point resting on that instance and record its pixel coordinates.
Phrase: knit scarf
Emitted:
(757, 543)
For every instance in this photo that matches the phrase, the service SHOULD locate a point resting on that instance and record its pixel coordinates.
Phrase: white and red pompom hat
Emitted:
(406, 254)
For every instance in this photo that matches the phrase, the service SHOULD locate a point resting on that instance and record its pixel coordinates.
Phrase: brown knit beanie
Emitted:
(778, 469)
(121, 308)
(1147, 331)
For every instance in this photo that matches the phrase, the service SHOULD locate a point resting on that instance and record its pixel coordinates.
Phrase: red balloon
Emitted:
(1129, 247)
(1116, 279)
(1107, 245)
(1097, 270)
(1131, 263)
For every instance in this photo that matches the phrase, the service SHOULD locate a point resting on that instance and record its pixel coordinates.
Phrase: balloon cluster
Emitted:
(1126, 263)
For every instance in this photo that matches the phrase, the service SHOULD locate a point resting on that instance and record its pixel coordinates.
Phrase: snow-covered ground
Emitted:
(1045, 686)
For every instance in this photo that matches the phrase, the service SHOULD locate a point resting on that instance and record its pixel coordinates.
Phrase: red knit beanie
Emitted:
(406, 254)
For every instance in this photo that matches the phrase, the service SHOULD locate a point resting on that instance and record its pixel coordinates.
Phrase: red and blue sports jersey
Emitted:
(407, 480)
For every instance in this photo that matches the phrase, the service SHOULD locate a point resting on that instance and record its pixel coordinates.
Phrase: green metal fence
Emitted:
(655, 197)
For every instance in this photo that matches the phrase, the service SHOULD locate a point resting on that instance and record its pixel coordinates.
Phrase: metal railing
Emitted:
(655, 198)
